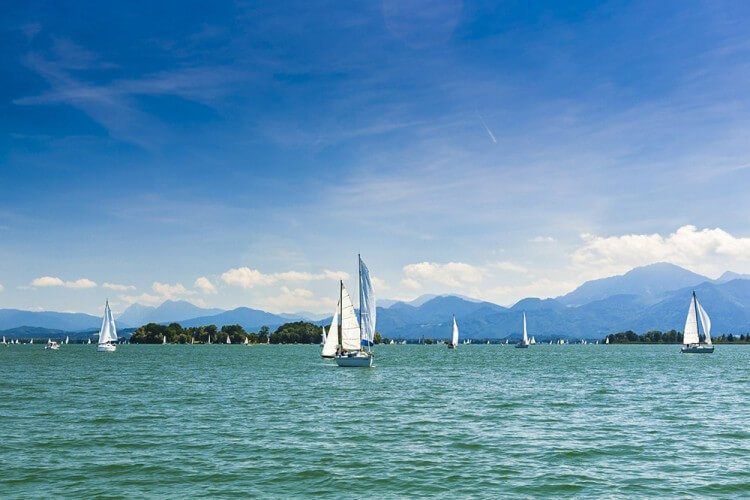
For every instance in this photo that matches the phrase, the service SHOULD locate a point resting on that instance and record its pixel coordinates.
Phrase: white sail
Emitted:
(367, 308)
(163, 339)
(454, 337)
(350, 335)
(690, 335)
(525, 335)
(533, 340)
(106, 333)
(229, 340)
(67, 339)
(332, 339)
(705, 321)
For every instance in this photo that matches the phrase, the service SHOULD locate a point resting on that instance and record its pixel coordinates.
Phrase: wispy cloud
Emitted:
(53, 281)
(112, 103)
(116, 286)
(250, 278)
(205, 285)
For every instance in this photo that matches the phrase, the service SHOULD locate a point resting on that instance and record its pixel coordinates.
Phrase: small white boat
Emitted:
(108, 332)
(31, 341)
(246, 342)
(532, 341)
(606, 341)
(229, 340)
(691, 338)
(4, 342)
(89, 341)
(51, 344)
(524, 343)
(392, 342)
(209, 338)
(357, 337)
(67, 339)
(454, 336)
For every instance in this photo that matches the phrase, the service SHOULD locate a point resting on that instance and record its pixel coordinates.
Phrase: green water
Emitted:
(277, 421)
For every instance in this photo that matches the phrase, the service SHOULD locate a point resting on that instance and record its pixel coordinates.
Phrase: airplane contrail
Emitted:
(492, 136)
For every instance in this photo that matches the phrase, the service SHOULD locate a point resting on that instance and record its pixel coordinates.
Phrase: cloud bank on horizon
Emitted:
(237, 156)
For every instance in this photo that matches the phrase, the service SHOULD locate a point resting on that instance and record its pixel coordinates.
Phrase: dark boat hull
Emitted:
(522, 346)
(697, 350)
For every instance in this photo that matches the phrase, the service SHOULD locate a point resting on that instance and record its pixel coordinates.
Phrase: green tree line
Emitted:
(297, 332)
(670, 337)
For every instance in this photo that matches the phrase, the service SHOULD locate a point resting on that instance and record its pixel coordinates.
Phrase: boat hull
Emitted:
(326, 357)
(451, 346)
(522, 346)
(354, 361)
(697, 350)
(106, 348)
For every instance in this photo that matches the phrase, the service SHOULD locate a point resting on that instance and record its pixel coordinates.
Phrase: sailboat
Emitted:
(322, 336)
(163, 339)
(229, 340)
(606, 341)
(246, 342)
(31, 341)
(691, 338)
(108, 332)
(89, 341)
(4, 342)
(454, 336)
(67, 339)
(525, 340)
(209, 338)
(357, 338)
(532, 341)
(51, 344)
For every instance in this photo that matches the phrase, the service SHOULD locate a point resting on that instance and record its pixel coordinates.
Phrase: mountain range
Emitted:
(645, 298)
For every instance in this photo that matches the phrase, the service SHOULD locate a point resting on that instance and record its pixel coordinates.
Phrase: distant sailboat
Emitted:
(89, 341)
(454, 336)
(691, 337)
(108, 332)
(163, 339)
(532, 341)
(31, 341)
(525, 340)
(606, 341)
(246, 342)
(332, 338)
(229, 340)
(67, 339)
(322, 336)
(51, 344)
(4, 340)
(209, 338)
(357, 337)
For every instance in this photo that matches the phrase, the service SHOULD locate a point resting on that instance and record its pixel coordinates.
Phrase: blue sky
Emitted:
(242, 154)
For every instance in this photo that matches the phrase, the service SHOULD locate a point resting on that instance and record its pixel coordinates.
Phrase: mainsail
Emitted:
(690, 335)
(454, 337)
(108, 331)
(332, 339)
(350, 335)
(525, 335)
(367, 309)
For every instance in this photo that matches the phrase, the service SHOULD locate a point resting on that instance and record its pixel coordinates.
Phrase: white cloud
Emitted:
(294, 300)
(509, 266)
(146, 299)
(1, 287)
(164, 291)
(246, 277)
(249, 278)
(115, 286)
(707, 251)
(48, 281)
(204, 285)
(454, 274)
(171, 292)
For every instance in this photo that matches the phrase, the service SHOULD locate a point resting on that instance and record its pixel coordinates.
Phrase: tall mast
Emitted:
(359, 274)
(697, 323)
(341, 313)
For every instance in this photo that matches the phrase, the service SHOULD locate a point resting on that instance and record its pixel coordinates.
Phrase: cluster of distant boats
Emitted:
(350, 337)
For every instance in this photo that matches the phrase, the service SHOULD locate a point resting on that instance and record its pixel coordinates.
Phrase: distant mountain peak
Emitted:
(648, 282)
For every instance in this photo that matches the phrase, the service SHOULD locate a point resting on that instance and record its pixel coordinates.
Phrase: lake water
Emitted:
(277, 421)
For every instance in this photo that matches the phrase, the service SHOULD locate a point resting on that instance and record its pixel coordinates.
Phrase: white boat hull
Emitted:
(355, 360)
(106, 348)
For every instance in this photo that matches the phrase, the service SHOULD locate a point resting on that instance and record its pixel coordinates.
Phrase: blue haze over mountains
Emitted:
(646, 298)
